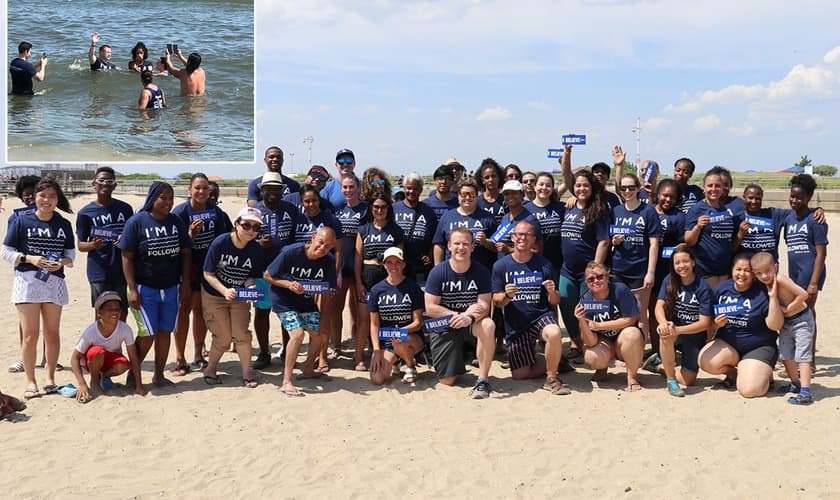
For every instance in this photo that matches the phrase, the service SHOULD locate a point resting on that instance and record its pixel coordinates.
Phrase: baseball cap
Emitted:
(512, 186)
(393, 252)
(250, 213)
(108, 296)
(271, 179)
(318, 172)
(344, 152)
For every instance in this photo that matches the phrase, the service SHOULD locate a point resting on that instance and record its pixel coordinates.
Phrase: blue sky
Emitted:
(406, 84)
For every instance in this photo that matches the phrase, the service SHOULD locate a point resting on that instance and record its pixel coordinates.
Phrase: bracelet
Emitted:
(472, 318)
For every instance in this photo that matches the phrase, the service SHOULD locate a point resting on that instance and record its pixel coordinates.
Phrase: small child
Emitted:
(797, 334)
(99, 349)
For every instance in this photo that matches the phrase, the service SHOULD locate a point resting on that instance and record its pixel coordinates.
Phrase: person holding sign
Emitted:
(523, 286)
(458, 295)
(684, 315)
(204, 222)
(40, 245)
(467, 215)
(514, 195)
(377, 234)
(608, 314)
(232, 264)
(760, 228)
(635, 245)
(300, 272)
(748, 317)
(99, 225)
(396, 318)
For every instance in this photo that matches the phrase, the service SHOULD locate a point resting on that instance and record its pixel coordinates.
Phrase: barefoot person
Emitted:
(99, 350)
(191, 77)
(40, 245)
(608, 314)
(156, 262)
(233, 260)
(395, 303)
(299, 265)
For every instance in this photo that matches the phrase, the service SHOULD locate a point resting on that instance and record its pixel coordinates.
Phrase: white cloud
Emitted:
(654, 123)
(742, 131)
(494, 114)
(832, 56)
(706, 123)
(324, 108)
(539, 105)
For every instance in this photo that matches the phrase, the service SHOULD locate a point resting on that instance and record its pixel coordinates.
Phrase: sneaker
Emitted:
(279, 353)
(410, 375)
(801, 399)
(675, 390)
(107, 384)
(565, 366)
(481, 390)
(262, 361)
(575, 356)
(650, 362)
(789, 388)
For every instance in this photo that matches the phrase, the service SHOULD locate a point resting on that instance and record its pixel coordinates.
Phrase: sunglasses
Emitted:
(345, 161)
(380, 182)
(522, 235)
(596, 277)
(467, 195)
(379, 207)
(529, 181)
(248, 226)
(625, 189)
(105, 182)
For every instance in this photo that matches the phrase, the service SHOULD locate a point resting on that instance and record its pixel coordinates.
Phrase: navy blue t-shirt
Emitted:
(508, 238)
(254, 193)
(350, 218)
(232, 266)
(104, 264)
(550, 218)
(622, 304)
(439, 206)
(21, 72)
(497, 209)
(746, 330)
(419, 239)
(478, 221)
(735, 205)
(630, 259)
(292, 264)
(765, 231)
(375, 241)
(306, 226)
(157, 248)
(713, 250)
(693, 300)
(280, 224)
(671, 234)
(458, 291)
(32, 236)
(217, 225)
(531, 300)
(395, 303)
(692, 194)
(802, 236)
(294, 199)
(580, 242)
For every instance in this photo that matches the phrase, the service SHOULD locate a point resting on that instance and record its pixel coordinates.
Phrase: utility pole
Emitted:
(638, 131)
(292, 167)
(308, 140)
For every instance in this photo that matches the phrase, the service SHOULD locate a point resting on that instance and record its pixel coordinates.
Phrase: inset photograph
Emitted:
(115, 81)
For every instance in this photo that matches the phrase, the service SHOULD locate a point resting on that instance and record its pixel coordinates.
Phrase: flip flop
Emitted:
(16, 367)
(212, 379)
(31, 393)
(292, 393)
(68, 391)
(250, 383)
(50, 389)
(180, 370)
(360, 367)
(634, 387)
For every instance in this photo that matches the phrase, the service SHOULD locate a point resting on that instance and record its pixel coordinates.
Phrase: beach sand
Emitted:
(347, 438)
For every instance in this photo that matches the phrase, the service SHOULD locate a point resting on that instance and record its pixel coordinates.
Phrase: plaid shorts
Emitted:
(522, 349)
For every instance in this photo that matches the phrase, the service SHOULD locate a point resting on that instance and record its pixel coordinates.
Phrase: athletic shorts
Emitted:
(111, 358)
(797, 337)
(97, 287)
(522, 349)
(767, 354)
(448, 352)
(372, 274)
(158, 310)
(634, 284)
(690, 346)
(263, 286)
(307, 320)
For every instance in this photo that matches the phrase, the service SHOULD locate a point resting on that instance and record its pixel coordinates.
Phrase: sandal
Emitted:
(634, 387)
(555, 386)
(198, 365)
(249, 383)
(410, 375)
(180, 370)
(360, 367)
(50, 389)
(16, 367)
(31, 393)
(334, 354)
(212, 379)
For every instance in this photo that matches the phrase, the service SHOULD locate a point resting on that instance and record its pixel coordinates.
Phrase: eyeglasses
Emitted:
(522, 235)
(380, 182)
(249, 226)
(345, 161)
(513, 176)
(625, 189)
(529, 181)
(596, 277)
(105, 182)
(379, 207)
(467, 195)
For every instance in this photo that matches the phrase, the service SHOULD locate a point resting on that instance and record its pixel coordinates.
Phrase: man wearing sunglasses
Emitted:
(99, 225)
(273, 163)
(345, 162)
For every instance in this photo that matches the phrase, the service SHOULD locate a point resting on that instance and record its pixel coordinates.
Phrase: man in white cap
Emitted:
(514, 196)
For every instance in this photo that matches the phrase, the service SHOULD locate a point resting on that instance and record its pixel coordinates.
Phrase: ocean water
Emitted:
(78, 115)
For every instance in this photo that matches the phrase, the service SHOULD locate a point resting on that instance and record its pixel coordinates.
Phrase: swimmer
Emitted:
(191, 77)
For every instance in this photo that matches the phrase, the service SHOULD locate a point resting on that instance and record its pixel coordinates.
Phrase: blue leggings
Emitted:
(570, 293)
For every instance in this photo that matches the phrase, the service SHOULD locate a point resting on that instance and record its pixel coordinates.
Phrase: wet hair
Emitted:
(664, 183)
(687, 161)
(387, 199)
(674, 281)
(488, 163)
(107, 170)
(804, 182)
(368, 191)
(23, 47)
(553, 196)
(49, 182)
(198, 175)
(103, 47)
(413, 176)
(138, 46)
(596, 205)
(146, 76)
(309, 188)
(753, 185)
(513, 166)
(193, 62)
(602, 166)
(25, 182)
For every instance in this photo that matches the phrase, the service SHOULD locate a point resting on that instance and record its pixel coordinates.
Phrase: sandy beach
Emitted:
(349, 439)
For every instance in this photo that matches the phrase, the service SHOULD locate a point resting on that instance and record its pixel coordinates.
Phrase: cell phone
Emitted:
(169, 47)
(174, 48)
(43, 55)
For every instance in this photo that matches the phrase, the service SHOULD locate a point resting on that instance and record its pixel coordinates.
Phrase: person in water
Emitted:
(151, 96)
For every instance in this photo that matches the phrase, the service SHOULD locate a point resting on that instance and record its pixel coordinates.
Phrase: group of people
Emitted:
(191, 76)
(483, 263)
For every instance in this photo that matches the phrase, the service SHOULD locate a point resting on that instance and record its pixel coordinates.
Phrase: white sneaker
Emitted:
(410, 375)
(278, 354)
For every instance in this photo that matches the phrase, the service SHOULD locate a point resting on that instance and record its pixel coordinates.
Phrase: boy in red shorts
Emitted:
(99, 349)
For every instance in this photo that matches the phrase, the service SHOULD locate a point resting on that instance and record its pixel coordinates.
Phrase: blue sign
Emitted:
(650, 172)
(315, 287)
(718, 217)
(667, 252)
(503, 231)
(595, 307)
(528, 279)
(106, 233)
(249, 294)
(759, 222)
(730, 308)
(203, 215)
(574, 139)
(437, 325)
(622, 230)
(555, 153)
(386, 333)
(269, 225)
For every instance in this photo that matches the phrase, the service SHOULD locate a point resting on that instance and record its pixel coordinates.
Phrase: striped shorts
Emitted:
(521, 349)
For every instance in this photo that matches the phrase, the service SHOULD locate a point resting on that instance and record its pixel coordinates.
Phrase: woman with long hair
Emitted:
(549, 213)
